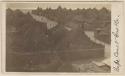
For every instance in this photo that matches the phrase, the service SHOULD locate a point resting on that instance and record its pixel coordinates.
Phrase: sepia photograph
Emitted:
(57, 37)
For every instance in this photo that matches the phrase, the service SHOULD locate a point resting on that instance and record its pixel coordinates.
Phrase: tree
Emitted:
(59, 8)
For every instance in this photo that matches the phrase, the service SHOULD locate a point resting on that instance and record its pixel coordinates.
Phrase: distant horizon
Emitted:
(51, 8)
(72, 6)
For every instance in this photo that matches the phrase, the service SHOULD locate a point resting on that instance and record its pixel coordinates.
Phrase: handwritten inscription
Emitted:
(115, 34)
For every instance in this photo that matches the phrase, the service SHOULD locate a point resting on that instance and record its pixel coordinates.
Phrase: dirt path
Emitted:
(90, 34)
(50, 23)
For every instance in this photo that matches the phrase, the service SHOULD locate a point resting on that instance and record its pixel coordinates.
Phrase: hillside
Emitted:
(30, 43)
(92, 19)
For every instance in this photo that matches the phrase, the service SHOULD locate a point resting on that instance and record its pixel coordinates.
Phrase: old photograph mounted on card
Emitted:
(58, 37)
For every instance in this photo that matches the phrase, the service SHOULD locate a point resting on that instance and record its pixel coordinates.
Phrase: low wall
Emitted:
(18, 61)
(82, 54)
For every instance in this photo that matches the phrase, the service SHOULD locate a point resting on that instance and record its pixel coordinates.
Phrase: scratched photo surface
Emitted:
(58, 37)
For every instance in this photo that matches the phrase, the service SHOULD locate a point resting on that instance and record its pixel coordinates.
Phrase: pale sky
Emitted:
(54, 5)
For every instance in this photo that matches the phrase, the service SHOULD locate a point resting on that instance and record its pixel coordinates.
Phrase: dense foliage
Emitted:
(28, 40)
(27, 34)
(93, 18)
